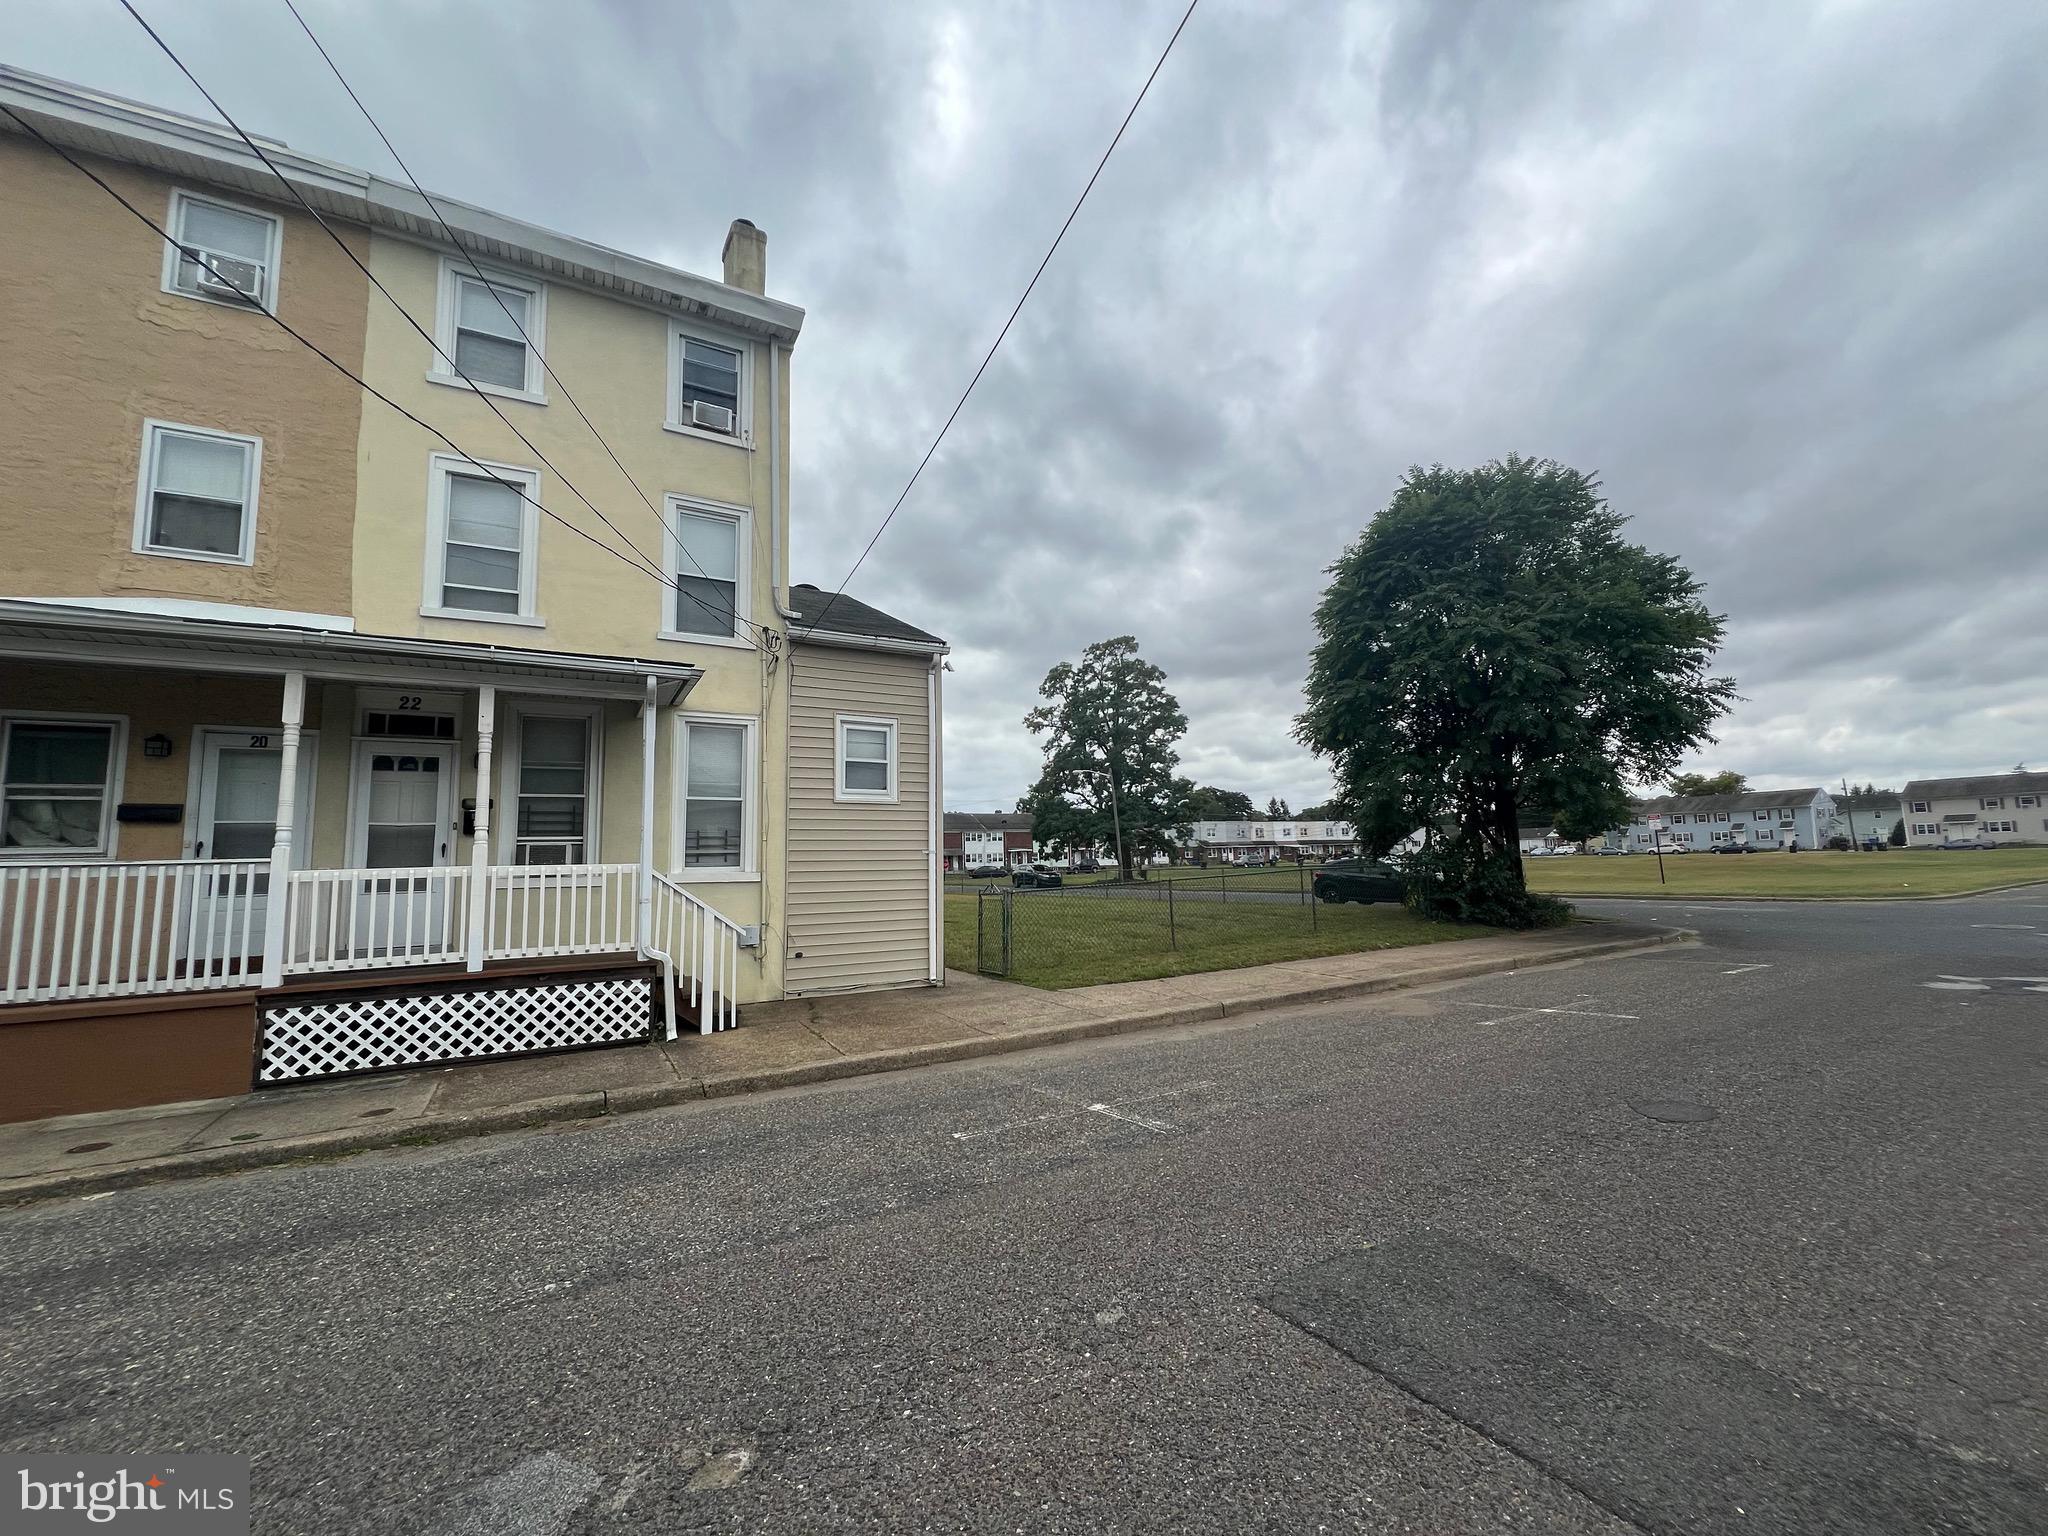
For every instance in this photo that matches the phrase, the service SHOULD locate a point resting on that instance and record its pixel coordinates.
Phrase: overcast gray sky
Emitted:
(1774, 270)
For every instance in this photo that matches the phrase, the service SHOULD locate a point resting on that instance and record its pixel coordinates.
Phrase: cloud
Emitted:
(1772, 272)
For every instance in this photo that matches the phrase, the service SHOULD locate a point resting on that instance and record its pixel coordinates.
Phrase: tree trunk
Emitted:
(1507, 830)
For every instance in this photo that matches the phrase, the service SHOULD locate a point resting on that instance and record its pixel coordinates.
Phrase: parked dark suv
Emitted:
(1359, 880)
(1035, 875)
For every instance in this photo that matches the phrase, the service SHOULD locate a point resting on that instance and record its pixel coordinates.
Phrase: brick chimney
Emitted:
(746, 257)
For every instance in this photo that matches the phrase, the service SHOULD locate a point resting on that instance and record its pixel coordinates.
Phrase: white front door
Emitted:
(236, 818)
(403, 818)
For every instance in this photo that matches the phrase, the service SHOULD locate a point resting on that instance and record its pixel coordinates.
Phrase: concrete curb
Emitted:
(456, 1126)
(1708, 901)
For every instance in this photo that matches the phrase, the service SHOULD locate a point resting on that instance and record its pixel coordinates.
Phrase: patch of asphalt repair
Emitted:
(1653, 1426)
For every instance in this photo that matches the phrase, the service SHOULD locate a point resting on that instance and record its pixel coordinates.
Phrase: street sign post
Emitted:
(1657, 842)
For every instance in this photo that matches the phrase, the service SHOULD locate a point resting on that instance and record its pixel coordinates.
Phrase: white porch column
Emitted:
(480, 840)
(644, 926)
(278, 901)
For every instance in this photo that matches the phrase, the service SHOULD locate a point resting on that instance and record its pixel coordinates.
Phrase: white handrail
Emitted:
(702, 946)
(118, 929)
(560, 909)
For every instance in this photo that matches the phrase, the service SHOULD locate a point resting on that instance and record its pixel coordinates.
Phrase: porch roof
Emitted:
(58, 632)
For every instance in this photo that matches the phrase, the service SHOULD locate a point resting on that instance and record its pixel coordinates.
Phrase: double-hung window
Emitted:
(57, 786)
(482, 541)
(554, 768)
(222, 252)
(196, 495)
(866, 758)
(709, 548)
(491, 327)
(715, 829)
(708, 386)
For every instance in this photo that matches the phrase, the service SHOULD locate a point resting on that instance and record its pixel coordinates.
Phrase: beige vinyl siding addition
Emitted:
(859, 871)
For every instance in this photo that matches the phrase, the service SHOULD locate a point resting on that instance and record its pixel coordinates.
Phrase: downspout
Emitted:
(936, 789)
(778, 577)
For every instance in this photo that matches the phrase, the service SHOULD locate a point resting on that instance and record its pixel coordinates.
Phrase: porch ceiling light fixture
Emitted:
(158, 745)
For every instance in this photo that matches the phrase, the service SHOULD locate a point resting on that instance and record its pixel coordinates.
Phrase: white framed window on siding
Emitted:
(866, 759)
(59, 779)
(710, 385)
(483, 541)
(709, 557)
(715, 793)
(196, 493)
(494, 330)
(222, 253)
(553, 791)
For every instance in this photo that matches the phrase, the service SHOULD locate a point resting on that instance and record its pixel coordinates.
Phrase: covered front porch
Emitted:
(389, 851)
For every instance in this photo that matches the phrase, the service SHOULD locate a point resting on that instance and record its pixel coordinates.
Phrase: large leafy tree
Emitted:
(1110, 727)
(1727, 782)
(1492, 641)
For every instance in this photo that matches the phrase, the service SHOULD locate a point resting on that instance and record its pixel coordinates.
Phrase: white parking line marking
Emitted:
(1590, 1013)
(1076, 1108)
(1958, 986)
(2028, 926)
(1764, 965)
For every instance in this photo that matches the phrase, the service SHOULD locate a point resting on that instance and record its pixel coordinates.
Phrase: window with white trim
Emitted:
(553, 770)
(709, 549)
(483, 534)
(866, 759)
(1920, 806)
(709, 385)
(221, 252)
(715, 828)
(1991, 803)
(196, 493)
(2026, 802)
(493, 328)
(57, 786)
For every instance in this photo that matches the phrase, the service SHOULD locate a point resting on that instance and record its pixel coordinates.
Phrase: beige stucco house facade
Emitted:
(446, 678)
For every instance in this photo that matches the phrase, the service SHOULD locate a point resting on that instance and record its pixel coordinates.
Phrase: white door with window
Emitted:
(237, 819)
(402, 819)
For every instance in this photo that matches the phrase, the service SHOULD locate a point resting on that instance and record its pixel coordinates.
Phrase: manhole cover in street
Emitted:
(1672, 1111)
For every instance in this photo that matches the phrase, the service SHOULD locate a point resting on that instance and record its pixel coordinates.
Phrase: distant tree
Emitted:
(1208, 803)
(1110, 727)
(1898, 837)
(1727, 783)
(1329, 810)
(1277, 808)
(1491, 640)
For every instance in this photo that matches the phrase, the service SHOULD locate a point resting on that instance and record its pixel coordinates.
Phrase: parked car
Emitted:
(1734, 848)
(1671, 848)
(1087, 867)
(1035, 876)
(1562, 850)
(1970, 842)
(1363, 880)
(987, 872)
(1608, 853)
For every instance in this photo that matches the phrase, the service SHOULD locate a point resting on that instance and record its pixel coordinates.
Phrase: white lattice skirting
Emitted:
(320, 1038)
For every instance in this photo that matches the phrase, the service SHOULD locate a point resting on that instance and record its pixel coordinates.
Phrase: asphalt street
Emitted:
(1739, 1236)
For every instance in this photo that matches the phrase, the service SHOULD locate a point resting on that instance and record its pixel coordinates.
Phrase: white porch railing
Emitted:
(701, 949)
(116, 930)
(84, 930)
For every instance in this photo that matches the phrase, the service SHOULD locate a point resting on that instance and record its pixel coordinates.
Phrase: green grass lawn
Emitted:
(1895, 872)
(1074, 941)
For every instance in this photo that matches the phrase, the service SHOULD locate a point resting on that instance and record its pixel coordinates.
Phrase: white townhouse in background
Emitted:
(1764, 818)
(1236, 841)
(2004, 807)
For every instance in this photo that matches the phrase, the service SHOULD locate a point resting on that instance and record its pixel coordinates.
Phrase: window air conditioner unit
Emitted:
(227, 278)
(714, 418)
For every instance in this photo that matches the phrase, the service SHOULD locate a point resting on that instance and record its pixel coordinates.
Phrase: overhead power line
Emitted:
(1017, 309)
(342, 245)
(317, 350)
(491, 288)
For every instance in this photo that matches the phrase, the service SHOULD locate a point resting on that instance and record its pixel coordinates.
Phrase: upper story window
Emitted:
(709, 548)
(709, 389)
(57, 779)
(1920, 807)
(867, 759)
(224, 253)
(1991, 803)
(483, 533)
(493, 330)
(196, 493)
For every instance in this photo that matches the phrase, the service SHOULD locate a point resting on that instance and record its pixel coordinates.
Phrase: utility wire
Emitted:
(819, 621)
(491, 288)
(314, 347)
(341, 244)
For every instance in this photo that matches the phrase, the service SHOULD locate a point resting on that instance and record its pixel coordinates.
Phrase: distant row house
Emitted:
(1999, 808)
(1235, 842)
(1762, 818)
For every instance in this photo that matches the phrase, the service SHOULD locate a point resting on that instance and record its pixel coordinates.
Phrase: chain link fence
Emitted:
(1027, 932)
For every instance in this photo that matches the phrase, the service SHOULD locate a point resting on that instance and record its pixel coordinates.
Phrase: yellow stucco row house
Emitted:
(398, 658)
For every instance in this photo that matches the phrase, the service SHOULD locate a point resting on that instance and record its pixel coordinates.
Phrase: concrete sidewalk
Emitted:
(779, 1045)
